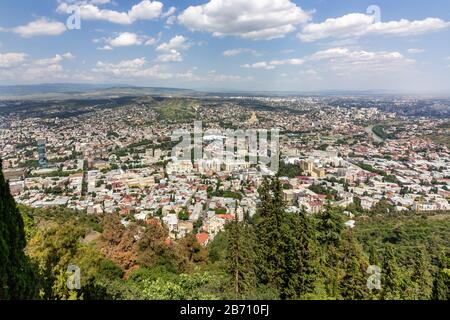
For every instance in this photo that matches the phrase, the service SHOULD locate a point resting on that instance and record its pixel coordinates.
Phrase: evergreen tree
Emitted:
(286, 248)
(269, 234)
(240, 258)
(17, 280)
(391, 284)
(441, 286)
(330, 226)
(374, 258)
(421, 276)
(353, 284)
(300, 265)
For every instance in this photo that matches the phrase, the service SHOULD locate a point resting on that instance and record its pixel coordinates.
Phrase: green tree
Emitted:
(17, 277)
(353, 284)
(421, 276)
(53, 249)
(240, 258)
(198, 286)
(330, 226)
(441, 286)
(286, 245)
(269, 233)
(391, 282)
(300, 262)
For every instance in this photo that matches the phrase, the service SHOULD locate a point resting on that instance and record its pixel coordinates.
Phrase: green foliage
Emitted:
(421, 275)
(380, 130)
(441, 287)
(198, 286)
(227, 194)
(320, 189)
(240, 258)
(391, 282)
(217, 248)
(17, 276)
(330, 226)
(273, 255)
(353, 283)
(183, 215)
(289, 170)
(286, 247)
(176, 109)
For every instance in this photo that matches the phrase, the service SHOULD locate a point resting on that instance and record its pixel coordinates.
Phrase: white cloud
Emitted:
(105, 48)
(55, 60)
(172, 49)
(68, 56)
(259, 65)
(311, 74)
(359, 61)
(358, 25)
(250, 19)
(169, 12)
(172, 56)
(11, 59)
(145, 10)
(415, 50)
(232, 52)
(215, 77)
(236, 52)
(176, 43)
(294, 62)
(125, 39)
(139, 69)
(273, 64)
(20, 68)
(40, 27)
(171, 20)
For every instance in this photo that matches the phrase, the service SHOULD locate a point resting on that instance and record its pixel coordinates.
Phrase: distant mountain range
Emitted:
(65, 91)
(70, 91)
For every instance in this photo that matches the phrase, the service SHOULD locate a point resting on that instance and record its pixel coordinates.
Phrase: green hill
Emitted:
(177, 109)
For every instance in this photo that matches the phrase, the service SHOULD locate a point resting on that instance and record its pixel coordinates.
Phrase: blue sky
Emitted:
(294, 45)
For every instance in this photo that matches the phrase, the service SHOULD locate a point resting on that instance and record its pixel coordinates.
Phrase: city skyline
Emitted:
(229, 45)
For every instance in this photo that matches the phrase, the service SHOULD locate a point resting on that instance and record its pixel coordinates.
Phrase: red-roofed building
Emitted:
(202, 238)
(226, 216)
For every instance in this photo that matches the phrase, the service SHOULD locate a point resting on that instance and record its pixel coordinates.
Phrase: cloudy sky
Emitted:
(293, 45)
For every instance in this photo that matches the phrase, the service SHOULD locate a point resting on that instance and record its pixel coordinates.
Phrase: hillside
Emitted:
(177, 109)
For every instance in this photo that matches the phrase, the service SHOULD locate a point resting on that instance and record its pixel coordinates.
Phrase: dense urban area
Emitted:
(361, 181)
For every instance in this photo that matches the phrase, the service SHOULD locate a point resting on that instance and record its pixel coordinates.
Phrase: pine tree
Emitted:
(391, 283)
(300, 264)
(240, 258)
(441, 286)
(421, 276)
(330, 226)
(17, 279)
(269, 234)
(286, 245)
(353, 284)
(374, 258)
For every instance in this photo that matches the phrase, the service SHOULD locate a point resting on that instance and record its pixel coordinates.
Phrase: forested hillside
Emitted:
(274, 255)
